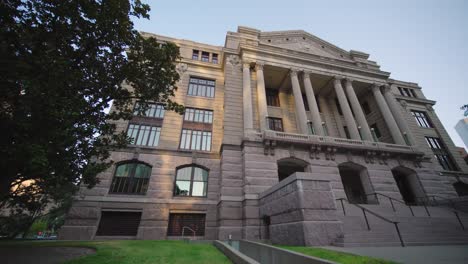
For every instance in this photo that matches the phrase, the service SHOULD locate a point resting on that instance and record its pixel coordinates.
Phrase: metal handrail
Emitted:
(186, 227)
(452, 203)
(391, 199)
(395, 223)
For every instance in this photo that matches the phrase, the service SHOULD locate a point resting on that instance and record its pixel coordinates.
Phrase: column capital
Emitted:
(387, 88)
(294, 71)
(375, 87)
(246, 64)
(337, 79)
(259, 65)
(349, 80)
(306, 74)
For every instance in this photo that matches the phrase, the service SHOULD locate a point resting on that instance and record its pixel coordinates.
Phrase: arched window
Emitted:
(191, 181)
(131, 178)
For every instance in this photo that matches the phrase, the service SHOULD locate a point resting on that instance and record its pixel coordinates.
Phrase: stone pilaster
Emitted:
(401, 122)
(261, 94)
(359, 114)
(314, 111)
(300, 110)
(387, 115)
(247, 97)
(349, 119)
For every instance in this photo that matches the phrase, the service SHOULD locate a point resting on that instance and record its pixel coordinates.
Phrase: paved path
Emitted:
(40, 255)
(456, 254)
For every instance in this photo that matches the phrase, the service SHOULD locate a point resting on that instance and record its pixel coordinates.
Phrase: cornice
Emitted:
(312, 59)
(414, 100)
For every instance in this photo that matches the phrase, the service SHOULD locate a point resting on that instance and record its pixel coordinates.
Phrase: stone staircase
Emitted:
(430, 225)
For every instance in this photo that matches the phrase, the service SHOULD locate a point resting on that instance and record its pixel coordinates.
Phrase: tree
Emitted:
(465, 108)
(61, 64)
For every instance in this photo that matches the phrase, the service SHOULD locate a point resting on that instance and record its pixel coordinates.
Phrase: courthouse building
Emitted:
(281, 129)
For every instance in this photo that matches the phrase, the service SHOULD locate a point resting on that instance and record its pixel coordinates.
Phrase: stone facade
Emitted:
(342, 120)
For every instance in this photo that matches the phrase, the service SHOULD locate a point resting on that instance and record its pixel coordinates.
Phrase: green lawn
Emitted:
(340, 257)
(141, 251)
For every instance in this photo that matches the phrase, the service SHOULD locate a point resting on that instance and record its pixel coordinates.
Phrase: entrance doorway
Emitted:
(408, 184)
(356, 183)
(289, 166)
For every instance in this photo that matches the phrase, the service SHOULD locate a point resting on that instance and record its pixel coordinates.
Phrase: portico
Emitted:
(324, 105)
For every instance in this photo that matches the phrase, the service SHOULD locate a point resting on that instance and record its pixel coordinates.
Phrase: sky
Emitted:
(425, 42)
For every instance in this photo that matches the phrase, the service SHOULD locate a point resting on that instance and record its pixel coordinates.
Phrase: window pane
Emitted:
(124, 170)
(205, 87)
(199, 189)
(184, 173)
(200, 174)
(182, 188)
(142, 171)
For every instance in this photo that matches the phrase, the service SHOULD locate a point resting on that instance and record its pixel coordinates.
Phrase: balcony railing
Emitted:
(338, 142)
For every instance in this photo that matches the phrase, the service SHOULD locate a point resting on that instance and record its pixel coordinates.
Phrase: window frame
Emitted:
(214, 58)
(151, 126)
(422, 119)
(131, 177)
(192, 174)
(209, 89)
(272, 97)
(150, 104)
(275, 119)
(195, 54)
(203, 57)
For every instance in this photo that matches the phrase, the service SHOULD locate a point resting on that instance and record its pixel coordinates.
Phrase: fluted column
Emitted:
(300, 109)
(247, 96)
(387, 115)
(399, 118)
(337, 116)
(349, 119)
(314, 111)
(358, 113)
(261, 94)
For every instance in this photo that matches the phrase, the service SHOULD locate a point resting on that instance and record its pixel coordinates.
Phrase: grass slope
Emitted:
(340, 257)
(140, 252)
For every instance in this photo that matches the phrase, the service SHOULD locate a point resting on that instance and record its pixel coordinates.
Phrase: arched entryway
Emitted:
(408, 184)
(356, 183)
(288, 166)
(461, 188)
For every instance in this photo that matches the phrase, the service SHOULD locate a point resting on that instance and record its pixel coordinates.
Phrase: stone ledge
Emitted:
(292, 178)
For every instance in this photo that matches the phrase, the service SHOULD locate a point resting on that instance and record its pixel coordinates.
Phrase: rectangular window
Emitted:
(177, 222)
(434, 143)
(445, 161)
(306, 103)
(195, 140)
(214, 58)
(272, 97)
(366, 108)
(144, 135)
(205, 56)
(275, 124)
(413, 93)
(198, 115)
(311, 128)
(195, 54)
(201, 87)
(422, 119)
(401, 91)
(345, 128)
(153, 110)
(375, 129)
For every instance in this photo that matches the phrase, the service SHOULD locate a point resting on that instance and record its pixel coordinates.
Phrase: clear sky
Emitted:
(425, 42)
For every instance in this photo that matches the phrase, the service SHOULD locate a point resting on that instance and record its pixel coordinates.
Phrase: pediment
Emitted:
(303, 42)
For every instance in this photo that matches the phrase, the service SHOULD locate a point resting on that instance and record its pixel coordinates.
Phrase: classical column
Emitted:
(314, 111)
(349, 119)
(261, 94)
(327, 116)
(247, 96)
(300, 110)
(358, 113)
(387, 115)
(399, 118)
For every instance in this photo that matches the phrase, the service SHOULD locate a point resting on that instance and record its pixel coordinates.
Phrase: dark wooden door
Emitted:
(119, 223)
(195, 222)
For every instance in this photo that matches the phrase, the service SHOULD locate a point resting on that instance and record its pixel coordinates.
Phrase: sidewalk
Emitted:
(455, 254)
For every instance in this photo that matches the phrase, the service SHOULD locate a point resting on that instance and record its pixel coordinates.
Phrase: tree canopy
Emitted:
(61, 65)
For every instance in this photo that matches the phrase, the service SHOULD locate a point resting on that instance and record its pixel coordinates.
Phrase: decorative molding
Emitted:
(259, 65)
(234, 61)
(181, 68)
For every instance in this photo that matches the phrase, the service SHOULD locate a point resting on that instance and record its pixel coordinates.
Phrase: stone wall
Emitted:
(302, 211)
